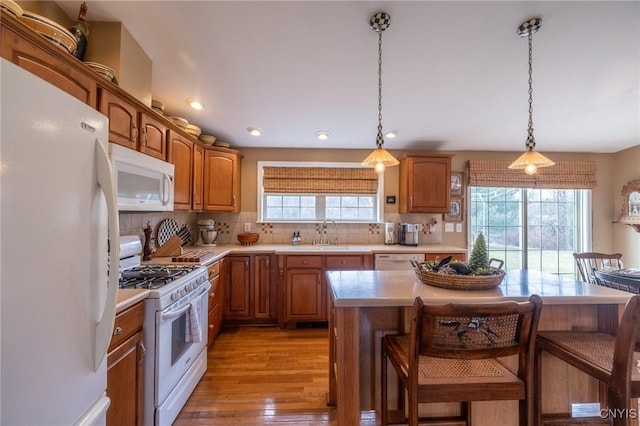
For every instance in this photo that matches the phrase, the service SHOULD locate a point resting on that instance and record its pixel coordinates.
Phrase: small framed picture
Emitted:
(457, 183)
(456, 212)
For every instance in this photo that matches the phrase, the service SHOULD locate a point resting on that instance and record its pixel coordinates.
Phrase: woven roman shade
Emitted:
(564, 175)
(319, 180)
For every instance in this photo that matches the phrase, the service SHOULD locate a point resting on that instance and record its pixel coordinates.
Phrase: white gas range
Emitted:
(175, 329)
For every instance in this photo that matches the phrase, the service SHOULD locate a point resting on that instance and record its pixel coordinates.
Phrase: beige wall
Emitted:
(603, 205)
(625, 239)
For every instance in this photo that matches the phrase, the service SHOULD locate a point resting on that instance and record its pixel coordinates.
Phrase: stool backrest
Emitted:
(475, 331)
(588, 261)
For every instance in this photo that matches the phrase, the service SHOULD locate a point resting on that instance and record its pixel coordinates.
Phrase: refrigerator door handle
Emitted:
(104, 328)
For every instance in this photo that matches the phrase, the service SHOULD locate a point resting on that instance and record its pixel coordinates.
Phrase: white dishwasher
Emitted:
(396, 261)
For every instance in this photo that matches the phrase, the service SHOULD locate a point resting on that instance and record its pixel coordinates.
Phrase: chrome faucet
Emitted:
(321, 231)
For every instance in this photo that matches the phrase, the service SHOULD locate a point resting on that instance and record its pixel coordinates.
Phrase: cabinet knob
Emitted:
(304, 262)
(117, 331)
(211, 326)
(344, 262)
(144, 137)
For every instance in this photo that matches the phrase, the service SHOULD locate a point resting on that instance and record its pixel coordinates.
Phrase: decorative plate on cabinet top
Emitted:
(180, 122)
(50, 30)
(207, 139)
(12, 7)
(222, 144)
(167, 229)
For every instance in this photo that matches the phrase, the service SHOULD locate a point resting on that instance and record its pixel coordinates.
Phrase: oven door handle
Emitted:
(175, 314)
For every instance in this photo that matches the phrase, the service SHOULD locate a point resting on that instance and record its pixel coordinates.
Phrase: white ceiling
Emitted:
(454, 72)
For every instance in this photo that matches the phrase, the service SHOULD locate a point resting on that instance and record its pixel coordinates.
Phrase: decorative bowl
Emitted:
(207, 139)
(50, 30)
(248, 238)
(12, 7)
(459, 282)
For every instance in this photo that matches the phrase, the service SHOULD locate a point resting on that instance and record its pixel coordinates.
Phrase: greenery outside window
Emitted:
(316, 191)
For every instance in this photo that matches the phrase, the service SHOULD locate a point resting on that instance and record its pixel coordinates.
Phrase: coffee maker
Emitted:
(207, 234)
(409, 234)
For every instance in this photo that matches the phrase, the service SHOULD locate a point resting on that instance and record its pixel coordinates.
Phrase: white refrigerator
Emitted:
(58, 278)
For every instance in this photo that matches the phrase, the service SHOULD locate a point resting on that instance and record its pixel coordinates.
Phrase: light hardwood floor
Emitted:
(263, 375)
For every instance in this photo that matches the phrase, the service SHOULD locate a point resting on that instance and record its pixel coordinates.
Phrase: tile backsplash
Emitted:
(231, 224)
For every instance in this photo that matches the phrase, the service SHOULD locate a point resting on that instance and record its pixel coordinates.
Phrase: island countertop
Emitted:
(400, 288)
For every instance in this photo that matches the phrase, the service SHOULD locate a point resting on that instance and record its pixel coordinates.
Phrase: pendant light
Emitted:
(531, 160)
(379, 157)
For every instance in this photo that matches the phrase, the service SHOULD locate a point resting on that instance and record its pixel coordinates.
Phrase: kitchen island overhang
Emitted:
(365, 305)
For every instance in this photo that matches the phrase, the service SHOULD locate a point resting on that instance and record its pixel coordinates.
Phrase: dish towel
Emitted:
(193, 331)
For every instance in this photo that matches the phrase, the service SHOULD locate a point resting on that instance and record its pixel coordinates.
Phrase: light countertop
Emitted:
(128, 297)
(400, 288)
(287, 249)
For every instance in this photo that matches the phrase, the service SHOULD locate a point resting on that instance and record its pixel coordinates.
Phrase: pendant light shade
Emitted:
(380, 158)
(530, 161)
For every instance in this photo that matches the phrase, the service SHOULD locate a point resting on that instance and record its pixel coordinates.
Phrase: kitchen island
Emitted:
(365, 305)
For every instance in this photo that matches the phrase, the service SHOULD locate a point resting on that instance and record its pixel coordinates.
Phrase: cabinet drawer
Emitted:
(214, 269)
(214, 293)
(344, 262)
(304, 261)
(127, 323)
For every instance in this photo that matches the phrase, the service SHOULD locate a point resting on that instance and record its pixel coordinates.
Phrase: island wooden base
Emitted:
(354, 363)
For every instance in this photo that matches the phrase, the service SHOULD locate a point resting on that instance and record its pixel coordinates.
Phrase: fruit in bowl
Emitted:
(248, 238)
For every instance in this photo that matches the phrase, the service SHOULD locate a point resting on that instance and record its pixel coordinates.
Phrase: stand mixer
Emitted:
(208, 234)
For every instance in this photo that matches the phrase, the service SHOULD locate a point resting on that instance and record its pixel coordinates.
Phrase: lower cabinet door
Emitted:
(304, 295)
(125, 382)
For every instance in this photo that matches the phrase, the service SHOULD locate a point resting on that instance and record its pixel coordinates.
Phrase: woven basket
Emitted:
(459, 282)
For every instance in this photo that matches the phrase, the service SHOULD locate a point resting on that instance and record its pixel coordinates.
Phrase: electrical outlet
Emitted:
(458, 227)
(448, 227)
(247, 227)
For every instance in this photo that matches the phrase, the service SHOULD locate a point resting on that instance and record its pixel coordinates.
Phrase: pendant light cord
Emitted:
(379, 138)
(531, 142)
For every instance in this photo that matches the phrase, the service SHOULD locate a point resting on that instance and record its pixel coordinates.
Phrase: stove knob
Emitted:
(174, 296)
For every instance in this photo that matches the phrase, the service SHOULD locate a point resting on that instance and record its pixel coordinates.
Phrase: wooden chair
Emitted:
(609, 359)
(588, 261)
(631, 285)
(452, 351)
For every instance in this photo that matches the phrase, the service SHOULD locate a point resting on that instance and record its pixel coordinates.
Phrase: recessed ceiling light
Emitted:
(195, 104)
(254, 131)
(391, 134)
(323, 135)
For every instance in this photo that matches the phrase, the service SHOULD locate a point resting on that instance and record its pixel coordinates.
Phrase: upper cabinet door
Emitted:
(123, 119)
(181, 155)
(424, 183)
(18, 49)
(221, 181)
(153, 135)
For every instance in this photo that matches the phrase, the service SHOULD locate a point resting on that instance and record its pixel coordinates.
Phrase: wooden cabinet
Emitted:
(125, 368)
(131, 127)
(215, 297)
(237, 287)
(221, 180)
(30, 51)
(181, 156)
(305, 290)
(424, 183)
(249, 293)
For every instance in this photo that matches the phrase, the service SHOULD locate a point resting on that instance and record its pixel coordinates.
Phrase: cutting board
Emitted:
(194, 256)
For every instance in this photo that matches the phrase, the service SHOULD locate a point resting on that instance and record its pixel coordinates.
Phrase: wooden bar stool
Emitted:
(452, 351)
(609, 359)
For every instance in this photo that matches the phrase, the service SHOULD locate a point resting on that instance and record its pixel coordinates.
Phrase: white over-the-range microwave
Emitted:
(144, 183)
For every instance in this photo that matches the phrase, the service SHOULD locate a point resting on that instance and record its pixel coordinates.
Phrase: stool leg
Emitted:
(537, 388)
(384, 409)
